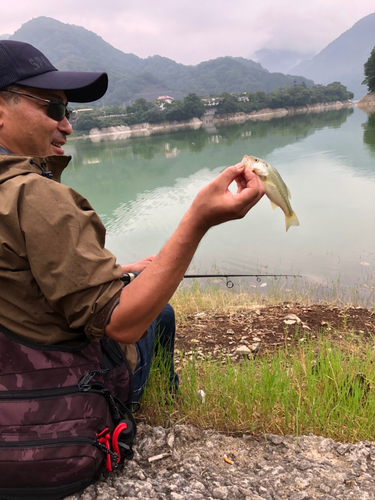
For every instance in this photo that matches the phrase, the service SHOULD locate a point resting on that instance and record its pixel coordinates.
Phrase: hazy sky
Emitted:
(193, 31)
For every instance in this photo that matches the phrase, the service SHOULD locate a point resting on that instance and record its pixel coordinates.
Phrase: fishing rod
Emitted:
(128, 277)
(229, 283)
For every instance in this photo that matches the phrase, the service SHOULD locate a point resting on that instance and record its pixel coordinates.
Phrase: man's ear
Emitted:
(2, 105)
(1, 114)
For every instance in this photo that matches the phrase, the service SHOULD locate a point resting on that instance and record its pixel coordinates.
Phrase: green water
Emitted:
(141, 188)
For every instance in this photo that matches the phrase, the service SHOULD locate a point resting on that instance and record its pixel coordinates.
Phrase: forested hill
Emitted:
(72, 47)
(343, 59)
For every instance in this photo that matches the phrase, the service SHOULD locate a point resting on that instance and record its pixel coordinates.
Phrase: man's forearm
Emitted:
(144, 298)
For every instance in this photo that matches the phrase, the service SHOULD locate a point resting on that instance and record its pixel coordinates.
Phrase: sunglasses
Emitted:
(56, 110)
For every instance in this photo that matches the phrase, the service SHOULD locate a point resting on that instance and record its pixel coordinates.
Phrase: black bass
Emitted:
(275, 188)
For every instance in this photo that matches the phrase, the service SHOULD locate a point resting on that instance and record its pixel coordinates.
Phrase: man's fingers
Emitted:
(231, 173)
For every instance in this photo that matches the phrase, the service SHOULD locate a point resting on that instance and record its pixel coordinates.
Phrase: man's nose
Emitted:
(65, 126)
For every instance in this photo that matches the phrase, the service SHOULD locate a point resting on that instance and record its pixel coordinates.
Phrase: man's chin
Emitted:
(55, 150)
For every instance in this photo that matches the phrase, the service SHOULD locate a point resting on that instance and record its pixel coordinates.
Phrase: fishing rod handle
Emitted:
(128, 277)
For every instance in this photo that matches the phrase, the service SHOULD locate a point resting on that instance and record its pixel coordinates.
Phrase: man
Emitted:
(58, 282)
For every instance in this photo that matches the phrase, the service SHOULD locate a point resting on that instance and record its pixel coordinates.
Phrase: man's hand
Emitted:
(138, 267)
(215, 204)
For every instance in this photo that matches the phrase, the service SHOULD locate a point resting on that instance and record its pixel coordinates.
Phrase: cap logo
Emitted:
(38, 62)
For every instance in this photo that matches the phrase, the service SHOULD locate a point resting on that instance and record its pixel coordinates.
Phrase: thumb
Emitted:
(230, 173)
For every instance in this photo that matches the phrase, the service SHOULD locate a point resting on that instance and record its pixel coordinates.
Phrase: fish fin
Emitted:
(291, 221)
(287, 190)
(273, 205)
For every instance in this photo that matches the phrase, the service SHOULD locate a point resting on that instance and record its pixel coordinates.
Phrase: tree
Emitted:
(337, 92)
(174, 111)
(370, 72)
(86, 121)
(140, 111)
(227, 104)
(192, 106)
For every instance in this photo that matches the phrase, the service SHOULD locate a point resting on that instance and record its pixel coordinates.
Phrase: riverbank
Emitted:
(269, 114)
(208, 121)
(367, 103)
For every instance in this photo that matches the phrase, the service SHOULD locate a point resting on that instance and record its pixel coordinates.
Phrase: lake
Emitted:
(141, 187)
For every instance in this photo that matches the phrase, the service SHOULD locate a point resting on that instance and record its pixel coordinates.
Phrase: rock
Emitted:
(243, 350)
(276, 440)
(293, 318)
(270, 468)
(254, 347)
(220, 492)
(200, 315)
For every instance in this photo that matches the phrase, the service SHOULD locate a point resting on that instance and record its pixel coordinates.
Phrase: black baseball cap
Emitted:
(23, 64)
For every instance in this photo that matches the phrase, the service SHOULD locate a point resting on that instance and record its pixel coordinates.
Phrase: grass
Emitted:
(201, 295)
(317, 386)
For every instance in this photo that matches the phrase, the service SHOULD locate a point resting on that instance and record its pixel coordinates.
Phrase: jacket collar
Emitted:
(50, 167)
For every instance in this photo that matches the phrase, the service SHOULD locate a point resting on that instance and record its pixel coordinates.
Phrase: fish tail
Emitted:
(291, 221)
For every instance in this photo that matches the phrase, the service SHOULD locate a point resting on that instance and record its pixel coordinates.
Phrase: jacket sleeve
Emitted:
(64, 244)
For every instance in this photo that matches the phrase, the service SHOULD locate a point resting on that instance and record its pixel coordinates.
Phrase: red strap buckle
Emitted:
(104, 438)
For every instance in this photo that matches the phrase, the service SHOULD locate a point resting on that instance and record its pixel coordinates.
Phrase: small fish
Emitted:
(275, 187)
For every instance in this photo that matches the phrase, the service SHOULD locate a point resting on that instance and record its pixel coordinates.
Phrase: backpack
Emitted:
(64, 417)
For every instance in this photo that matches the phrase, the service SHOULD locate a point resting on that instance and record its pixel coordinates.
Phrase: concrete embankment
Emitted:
(269, 114)
(210, 119)
(141, 130)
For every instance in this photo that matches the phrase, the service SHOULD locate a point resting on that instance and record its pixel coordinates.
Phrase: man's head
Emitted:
(33, 99)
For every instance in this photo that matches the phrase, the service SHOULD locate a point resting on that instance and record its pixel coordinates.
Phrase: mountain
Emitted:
(343, 59)
(280, 60)
(223, 74)
(71, 47)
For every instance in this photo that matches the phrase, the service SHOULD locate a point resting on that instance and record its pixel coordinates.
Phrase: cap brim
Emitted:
(78, 86)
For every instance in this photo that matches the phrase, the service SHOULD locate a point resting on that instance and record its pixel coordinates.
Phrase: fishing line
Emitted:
(229, 283)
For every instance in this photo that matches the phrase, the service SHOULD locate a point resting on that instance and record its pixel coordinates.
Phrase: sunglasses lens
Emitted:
(56, 110)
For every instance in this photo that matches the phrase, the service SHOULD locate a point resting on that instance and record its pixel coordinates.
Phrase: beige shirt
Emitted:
(55, 273)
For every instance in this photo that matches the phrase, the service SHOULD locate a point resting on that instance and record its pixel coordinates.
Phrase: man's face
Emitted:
(26, 129)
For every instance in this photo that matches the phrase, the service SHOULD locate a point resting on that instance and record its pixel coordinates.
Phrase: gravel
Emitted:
(203, 464)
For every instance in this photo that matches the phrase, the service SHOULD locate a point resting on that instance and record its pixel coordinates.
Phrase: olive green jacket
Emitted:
(57, 280)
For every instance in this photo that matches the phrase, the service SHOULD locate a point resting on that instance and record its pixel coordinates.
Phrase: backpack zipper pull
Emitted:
(84, 381)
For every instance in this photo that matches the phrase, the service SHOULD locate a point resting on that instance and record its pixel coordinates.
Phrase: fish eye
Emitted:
(256, 160)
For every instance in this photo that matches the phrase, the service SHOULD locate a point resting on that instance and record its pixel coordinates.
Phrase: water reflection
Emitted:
(288, 129)
(369, 132)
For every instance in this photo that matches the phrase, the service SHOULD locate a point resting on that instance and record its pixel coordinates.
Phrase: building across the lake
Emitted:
(164, 99)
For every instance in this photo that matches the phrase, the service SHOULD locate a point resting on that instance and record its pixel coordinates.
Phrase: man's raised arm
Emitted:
(144, 298)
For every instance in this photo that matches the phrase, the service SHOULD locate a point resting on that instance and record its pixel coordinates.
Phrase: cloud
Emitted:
(191, 31)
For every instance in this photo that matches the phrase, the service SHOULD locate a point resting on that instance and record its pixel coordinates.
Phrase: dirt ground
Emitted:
(260, 329)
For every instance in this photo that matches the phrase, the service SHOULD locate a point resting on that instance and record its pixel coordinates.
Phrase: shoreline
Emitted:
(367, 103)
(207, 122)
